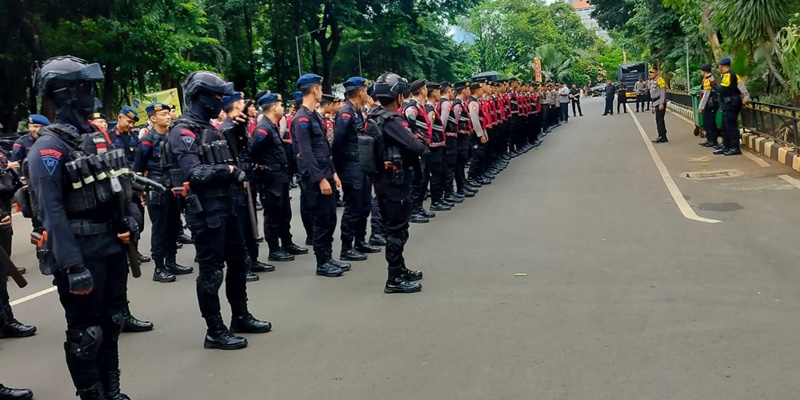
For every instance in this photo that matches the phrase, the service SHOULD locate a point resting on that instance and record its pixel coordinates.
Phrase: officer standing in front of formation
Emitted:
(356, 182)
(396, 150)
(732, 96)
(84, 249)
(271, 173)
(234, 131)
(196, 158)
(622, 97)
(9, 183)
(609, 93)
(640, 88)
(709, 105)
(575, 96)
(165, 215)
(124, 137)
(658, 93)
(318, 175)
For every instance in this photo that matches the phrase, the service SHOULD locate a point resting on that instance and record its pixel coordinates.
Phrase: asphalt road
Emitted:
(624, 298)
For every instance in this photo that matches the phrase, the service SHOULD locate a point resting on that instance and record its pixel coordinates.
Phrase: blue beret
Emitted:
(129, 112)
(228, 100)
(308, 79)
(155, 107)
(297, 96)
(38, 119)
(354, 83)
(269, 98)
(725, 61)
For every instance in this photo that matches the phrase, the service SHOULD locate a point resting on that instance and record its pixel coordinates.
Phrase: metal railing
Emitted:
(681, 98)
(778, 122)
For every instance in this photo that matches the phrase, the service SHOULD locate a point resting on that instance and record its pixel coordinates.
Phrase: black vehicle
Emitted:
(598, 90)
(629, 74)
(492, 76)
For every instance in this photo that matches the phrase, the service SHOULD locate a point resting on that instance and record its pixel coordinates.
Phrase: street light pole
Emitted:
(297, 48)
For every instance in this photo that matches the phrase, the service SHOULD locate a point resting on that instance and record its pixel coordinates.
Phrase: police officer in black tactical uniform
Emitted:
(165, 215)
(9, 183)
(396, 151)
(234, 131)
(463, 142)
(197, 160)
(356, 183)
(123, 136)
(86, 230)
(271, 173)
(318, 178)
(21, 146)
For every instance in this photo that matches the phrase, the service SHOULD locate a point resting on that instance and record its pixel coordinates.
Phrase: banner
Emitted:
(537, 69)
(169, 97)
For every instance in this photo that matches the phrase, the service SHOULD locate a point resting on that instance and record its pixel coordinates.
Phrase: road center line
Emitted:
(677, 196)
(33, 296)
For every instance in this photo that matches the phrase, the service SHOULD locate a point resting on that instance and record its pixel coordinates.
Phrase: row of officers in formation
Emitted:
(387, 147)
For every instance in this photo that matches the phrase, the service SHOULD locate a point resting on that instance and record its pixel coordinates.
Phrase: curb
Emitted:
(760, 144)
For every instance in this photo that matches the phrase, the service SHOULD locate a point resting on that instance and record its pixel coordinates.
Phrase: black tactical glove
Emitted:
(80, 280)
(239, 176)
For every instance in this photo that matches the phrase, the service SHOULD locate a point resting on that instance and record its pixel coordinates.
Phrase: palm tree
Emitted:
(754, 24)
(555, 65)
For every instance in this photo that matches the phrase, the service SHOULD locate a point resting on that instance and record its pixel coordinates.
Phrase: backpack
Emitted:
(370, 143)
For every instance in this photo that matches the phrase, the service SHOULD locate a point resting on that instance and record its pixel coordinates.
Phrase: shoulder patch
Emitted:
(662, 83)
(346, 116)
(188, 140)
(186, 132)
(50, 158)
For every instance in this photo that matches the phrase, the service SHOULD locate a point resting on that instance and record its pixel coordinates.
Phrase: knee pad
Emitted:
(210, 282)
(84, 343)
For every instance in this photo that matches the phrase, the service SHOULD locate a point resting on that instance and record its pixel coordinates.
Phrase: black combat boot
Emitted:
(93, 393)
(439, 206)
(350, 254)
(7, 393)
(418, 218)
(133, 324)
(172, 266)
(294, 249)
(410, 274)
(142, 258)
(276, 253)
(160, 274)
(112, 387)
(14, 328)
(377, 239)
(366, 248)
(342, 265)
(218, 336)
(397, 284)
(325, 267)
(258, 266)
(244, 322)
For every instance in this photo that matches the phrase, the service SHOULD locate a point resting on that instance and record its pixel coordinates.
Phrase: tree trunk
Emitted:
(772, 67)
(708, 28)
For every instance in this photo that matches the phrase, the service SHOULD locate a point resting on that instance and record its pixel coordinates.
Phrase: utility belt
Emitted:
(269, 168)
(464, 132)
(437, 144)
(215, 193)
(451, 134)
(87, 228)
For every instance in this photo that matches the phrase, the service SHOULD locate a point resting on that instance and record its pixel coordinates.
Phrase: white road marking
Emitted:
(756, 159)
(677, 196)
(33, 296)
(792, 181)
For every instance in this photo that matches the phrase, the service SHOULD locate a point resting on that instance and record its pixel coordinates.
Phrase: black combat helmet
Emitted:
(390, 85)
(204, 82)
(65, 71)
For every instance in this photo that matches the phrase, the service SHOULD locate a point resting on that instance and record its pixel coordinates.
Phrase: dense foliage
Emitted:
(147, 46)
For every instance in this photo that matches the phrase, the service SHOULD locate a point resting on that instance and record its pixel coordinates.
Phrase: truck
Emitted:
(491, 76)
(629, 74)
